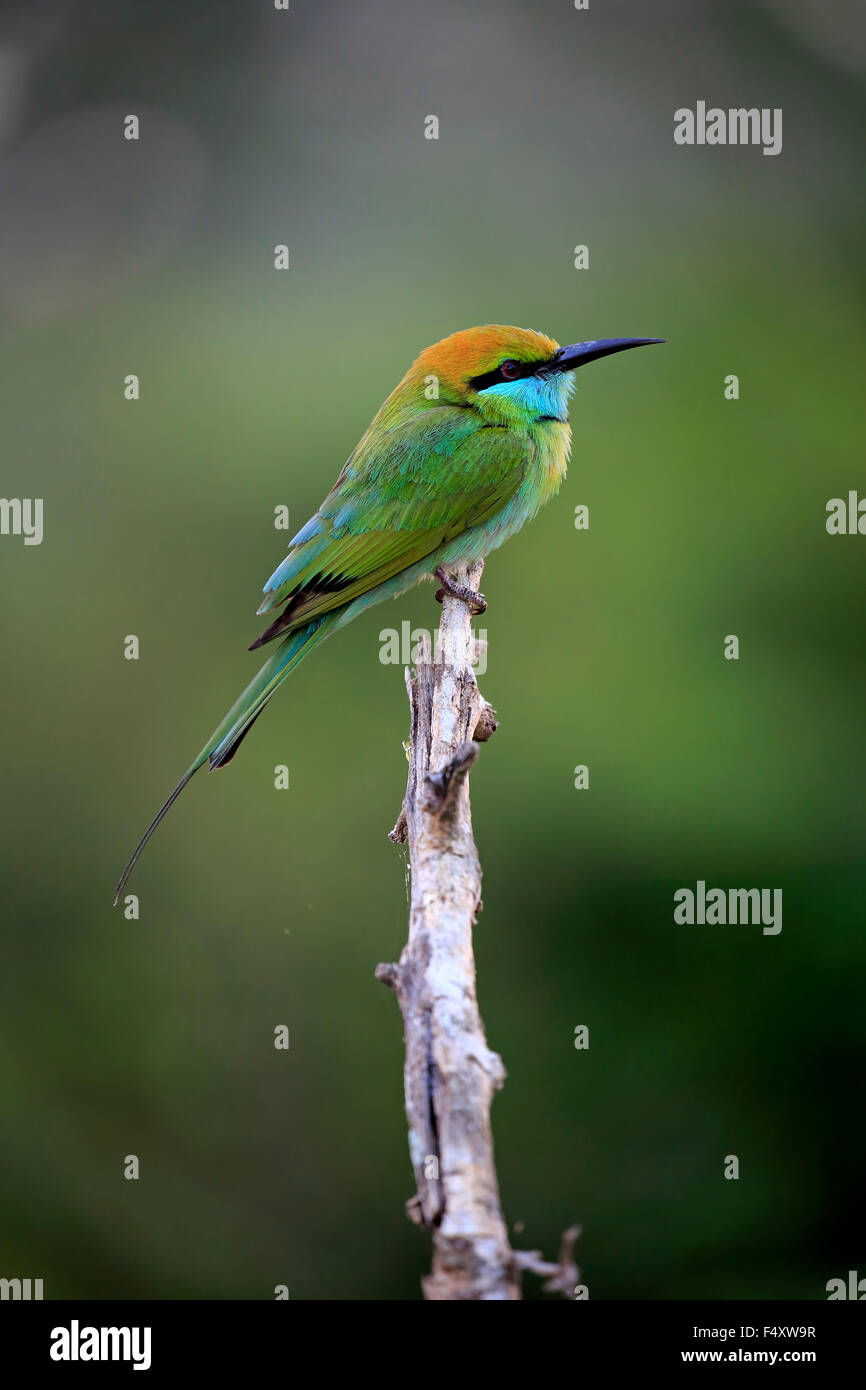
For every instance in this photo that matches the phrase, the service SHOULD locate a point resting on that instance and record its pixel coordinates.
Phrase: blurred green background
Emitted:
(707, 517)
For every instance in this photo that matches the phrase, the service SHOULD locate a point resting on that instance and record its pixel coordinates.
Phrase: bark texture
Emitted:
(451, 1075)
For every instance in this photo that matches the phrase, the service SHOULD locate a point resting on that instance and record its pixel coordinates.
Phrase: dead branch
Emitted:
(451, 1074)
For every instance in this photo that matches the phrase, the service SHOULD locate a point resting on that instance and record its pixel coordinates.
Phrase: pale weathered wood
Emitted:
(451, 1075)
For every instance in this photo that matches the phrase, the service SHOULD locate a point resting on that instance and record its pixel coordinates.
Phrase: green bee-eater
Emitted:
(465, 450)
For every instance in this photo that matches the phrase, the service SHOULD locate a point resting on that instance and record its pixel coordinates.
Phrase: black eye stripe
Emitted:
(495, 377)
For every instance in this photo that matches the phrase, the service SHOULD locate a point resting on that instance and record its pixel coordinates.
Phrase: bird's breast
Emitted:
(552, 448)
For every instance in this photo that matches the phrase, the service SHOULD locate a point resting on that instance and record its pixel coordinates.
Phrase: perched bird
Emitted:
(465, 450)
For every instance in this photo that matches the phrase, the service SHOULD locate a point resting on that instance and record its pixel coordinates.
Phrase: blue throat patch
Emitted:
(539, 396)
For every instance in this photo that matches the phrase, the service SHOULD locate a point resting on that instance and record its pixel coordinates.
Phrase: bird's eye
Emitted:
(509, 370)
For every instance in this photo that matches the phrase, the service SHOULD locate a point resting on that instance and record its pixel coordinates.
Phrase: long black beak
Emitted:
(578, 354)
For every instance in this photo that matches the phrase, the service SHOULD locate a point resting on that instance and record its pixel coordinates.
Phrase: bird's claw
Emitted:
(477, 603)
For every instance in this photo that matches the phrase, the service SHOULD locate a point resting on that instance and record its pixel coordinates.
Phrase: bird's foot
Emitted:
(477, 602)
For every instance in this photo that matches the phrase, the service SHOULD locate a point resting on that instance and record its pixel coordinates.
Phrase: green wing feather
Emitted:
(404, 492)
(411, 485)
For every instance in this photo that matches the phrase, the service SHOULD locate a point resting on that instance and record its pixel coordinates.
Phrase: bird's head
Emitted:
(513, 376)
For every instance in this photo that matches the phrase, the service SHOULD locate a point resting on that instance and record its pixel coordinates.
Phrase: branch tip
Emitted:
(560, 1277)
(388, 973)
(415, 1211)
(487, 724)
(441, 787)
